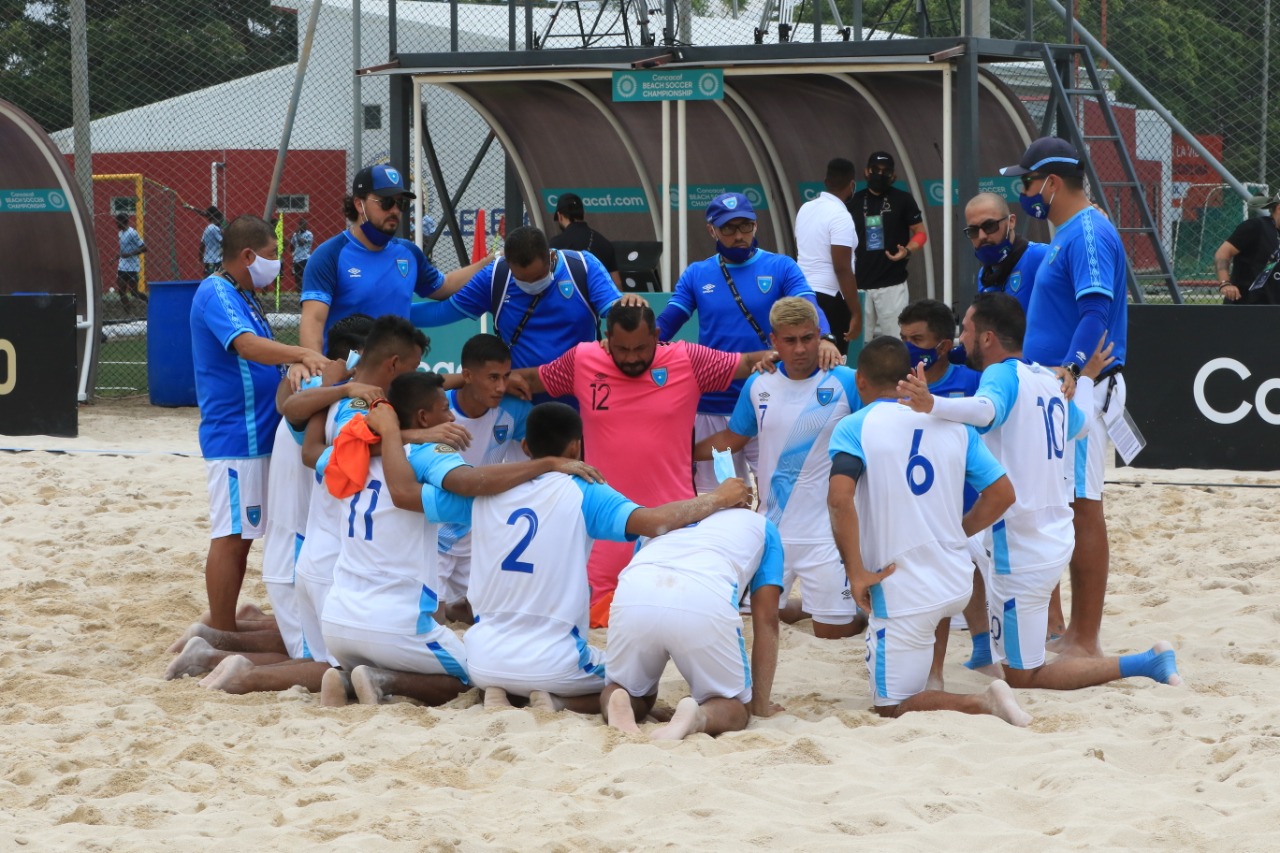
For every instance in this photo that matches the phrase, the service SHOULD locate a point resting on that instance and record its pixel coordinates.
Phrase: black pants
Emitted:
(838, 317)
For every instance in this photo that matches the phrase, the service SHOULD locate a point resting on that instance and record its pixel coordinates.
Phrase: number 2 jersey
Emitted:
(909, 502)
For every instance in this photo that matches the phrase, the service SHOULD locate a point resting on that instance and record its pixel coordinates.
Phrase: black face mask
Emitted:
(879, 183)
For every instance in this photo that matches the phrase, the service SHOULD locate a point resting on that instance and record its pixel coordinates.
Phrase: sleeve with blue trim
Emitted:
(436, 313)
(980, 467)
(519, 411)
(999, 385)
(795, 284)
(320, 278)
(1095, 312)
(606, 512)
(431, 462)
(847, 377)
(847, 438)
(769, 572)
(679, 309)
(430, 279)
(442, 506)
(1080, 408)
(600, 286)
(475, 298)
(226, 314)
(743, 420)
(322, 463)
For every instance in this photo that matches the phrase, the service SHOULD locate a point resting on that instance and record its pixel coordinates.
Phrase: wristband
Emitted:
(918, 240)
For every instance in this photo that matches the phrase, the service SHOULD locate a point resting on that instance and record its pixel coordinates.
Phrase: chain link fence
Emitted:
(189, 101)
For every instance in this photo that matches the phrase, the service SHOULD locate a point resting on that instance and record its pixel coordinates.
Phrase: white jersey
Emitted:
(385, 577)
(288, 496)
(495, 438)
(794, 420)
(1033, 423)
(529, 557)
(324, 511)
(909, 502)
(732, 551)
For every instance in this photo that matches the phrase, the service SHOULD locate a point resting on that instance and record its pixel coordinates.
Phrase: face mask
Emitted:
(375, 236)
(1035, 206)
(263, 271)
(878, 183)
(989, 256)
(921, 355)
(736, 254)
(533, 288)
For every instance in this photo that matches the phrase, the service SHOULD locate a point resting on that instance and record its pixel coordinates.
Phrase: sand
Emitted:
(101, 568)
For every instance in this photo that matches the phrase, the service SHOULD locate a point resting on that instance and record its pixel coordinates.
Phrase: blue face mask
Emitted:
(736, 255)
(989, 256)
(920, 354)
(373, 235)
(1036, 206)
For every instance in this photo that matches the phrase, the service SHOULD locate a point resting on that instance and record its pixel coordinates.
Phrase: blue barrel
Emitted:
(171, 369)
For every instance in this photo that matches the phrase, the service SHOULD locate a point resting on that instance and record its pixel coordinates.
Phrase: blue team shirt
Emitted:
(958, 381)
(351, 279)
(237, 397)
(1086, 257)
(1022, 277)
(761, 281)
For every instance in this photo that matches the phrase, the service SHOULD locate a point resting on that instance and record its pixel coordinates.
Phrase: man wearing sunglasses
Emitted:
(1009, 260)
(1079, 295)
(890, 230)
(366, 269)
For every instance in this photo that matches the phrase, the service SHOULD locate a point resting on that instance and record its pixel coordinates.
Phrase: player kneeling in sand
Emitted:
(678, 600)
(529, 584)
(378, 618)
(1025, 421)
(894, 498)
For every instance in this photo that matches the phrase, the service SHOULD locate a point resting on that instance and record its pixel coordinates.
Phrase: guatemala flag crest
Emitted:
(254, 514)
(566, 288)
(659, 375)
(402, 264)
(1015, 282)
(765, 282)
(825, 395)
(500, 432)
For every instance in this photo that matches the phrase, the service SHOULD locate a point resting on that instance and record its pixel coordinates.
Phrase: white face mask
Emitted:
(533, 288)
(263, 271)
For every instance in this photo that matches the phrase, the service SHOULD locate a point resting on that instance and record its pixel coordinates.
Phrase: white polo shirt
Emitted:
(821, 224)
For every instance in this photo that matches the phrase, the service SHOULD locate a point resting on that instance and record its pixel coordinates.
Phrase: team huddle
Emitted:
(400, 506)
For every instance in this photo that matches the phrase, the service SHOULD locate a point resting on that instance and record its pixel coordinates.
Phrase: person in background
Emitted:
(576, 234)
(1242, 257)
(129, 267)
(300, 247)
(890, 230)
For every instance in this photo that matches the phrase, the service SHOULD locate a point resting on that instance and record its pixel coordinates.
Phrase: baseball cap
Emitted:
(570, 206)
(1048, 155)
(1263, 202)
(727, 206)
(382, 179)
(878, 158)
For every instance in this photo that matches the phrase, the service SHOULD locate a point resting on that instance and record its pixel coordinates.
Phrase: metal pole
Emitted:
(298, 77)
(948, 227)
(1030, 9)
(817, 20)
(1156, 107)
(453, 26)
(856, 23)
(966, 156)
(977, 15)
(682, 178)
(1266, 91)
(357, 102)
(80, 114)
(528, 24)
(415, 163)
(511, 24)
(667, 282)
(392, 41)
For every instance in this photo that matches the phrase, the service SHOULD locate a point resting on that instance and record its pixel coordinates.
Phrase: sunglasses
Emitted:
(989, 227)
(1028, 180)
(728, 230)
(388, 202)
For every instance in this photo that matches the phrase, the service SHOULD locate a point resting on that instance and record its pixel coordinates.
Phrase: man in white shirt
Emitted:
(825, 240)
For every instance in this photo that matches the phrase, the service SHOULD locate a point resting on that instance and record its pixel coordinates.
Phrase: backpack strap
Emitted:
(577, 266)
(498, 288)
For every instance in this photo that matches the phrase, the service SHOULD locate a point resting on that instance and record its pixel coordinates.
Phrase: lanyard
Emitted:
(733, 288)
(252, 301)
(528, 312)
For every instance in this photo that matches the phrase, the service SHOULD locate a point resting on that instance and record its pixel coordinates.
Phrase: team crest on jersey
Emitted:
(1053, 253)
(825, 395)
(500, 432)
(254, 514)
(566, 288)
(1015, 282)
(444, 448)
(659, 375)
(358, 403)
(765, 282)
(402, 264)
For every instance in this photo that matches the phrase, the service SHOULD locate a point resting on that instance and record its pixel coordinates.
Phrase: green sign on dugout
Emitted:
(681, 84)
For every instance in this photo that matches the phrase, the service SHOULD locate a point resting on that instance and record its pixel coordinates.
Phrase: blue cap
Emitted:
(382, 179)
(729, 206)
(1048, 155)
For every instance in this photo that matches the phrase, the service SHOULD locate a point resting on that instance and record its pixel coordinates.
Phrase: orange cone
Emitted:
(479, 251)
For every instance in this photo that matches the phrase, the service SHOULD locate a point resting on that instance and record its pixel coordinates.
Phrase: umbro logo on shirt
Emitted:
(709, 288)
(764, 395)
(354, 272)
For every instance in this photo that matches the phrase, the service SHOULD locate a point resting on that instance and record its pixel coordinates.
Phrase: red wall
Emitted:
(242, 188)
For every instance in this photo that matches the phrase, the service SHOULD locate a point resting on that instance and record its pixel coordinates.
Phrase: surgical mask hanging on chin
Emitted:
(737, 254)
(920, 355)
(989, 256)
(533, 288)
(375, 236)
(263, 271)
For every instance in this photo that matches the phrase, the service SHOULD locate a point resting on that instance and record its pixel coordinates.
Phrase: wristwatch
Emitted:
(1073, 368)
(829, 338)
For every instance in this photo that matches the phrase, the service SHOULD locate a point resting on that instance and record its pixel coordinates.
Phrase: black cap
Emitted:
(1048, 155)
(880, 158)
(570, 206)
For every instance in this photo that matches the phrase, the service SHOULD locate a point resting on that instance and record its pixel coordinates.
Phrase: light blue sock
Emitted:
(981, 655)
(1158, 666)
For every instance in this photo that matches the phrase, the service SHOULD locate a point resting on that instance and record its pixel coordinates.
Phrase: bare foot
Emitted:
(367, 683)
(197, 657)
(688, 718)
(196, 629)
(335, 688)
(1001, 702)
(621, 715)
(544, 701)
(226, 675)
(495, 699)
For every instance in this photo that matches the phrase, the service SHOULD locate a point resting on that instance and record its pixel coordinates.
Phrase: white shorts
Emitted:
(455, 575)
(437, 652)
(703, 638)
(1018, 605)
(1087, 455)
(704, 477)
(311, 595)
(237, 497)
(900, 652)
(880, 309)
(280, 554)
(824, 587)
(288, 613)
(574, 668)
